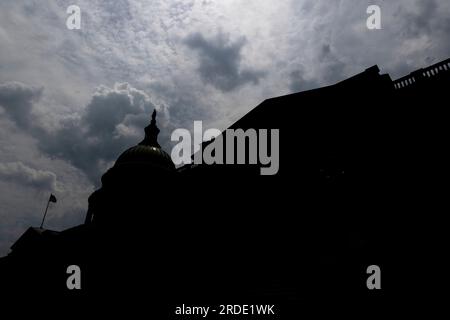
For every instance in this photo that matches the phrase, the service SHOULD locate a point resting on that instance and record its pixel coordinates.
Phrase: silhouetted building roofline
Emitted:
(32, 238)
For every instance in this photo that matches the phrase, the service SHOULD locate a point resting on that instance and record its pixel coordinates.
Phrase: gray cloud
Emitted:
(334, 42)
(27, 176)
(90, 140)
(112, 121)
(220, 61)
(17, 100)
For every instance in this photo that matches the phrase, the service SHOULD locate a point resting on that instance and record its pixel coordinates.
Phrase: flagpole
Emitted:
(46, 209)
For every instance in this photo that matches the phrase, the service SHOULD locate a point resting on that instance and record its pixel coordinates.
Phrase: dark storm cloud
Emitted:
(17, 100)
(112, 121)
(20, 173)
(220, 61)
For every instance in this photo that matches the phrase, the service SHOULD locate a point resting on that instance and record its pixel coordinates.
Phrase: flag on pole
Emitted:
(52, 198)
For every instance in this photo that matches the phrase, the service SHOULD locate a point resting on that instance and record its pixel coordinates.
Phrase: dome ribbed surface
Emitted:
(146, 155)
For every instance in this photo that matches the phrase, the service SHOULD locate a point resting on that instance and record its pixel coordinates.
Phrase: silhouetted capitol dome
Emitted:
(140, 172)
(148, 152)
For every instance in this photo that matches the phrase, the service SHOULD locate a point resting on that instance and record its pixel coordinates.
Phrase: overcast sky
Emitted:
(72, 100)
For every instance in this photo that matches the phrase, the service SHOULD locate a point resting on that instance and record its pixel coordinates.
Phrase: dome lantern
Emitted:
(151, 133)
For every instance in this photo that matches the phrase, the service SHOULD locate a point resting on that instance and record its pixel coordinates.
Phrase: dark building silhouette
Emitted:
(161, 236)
